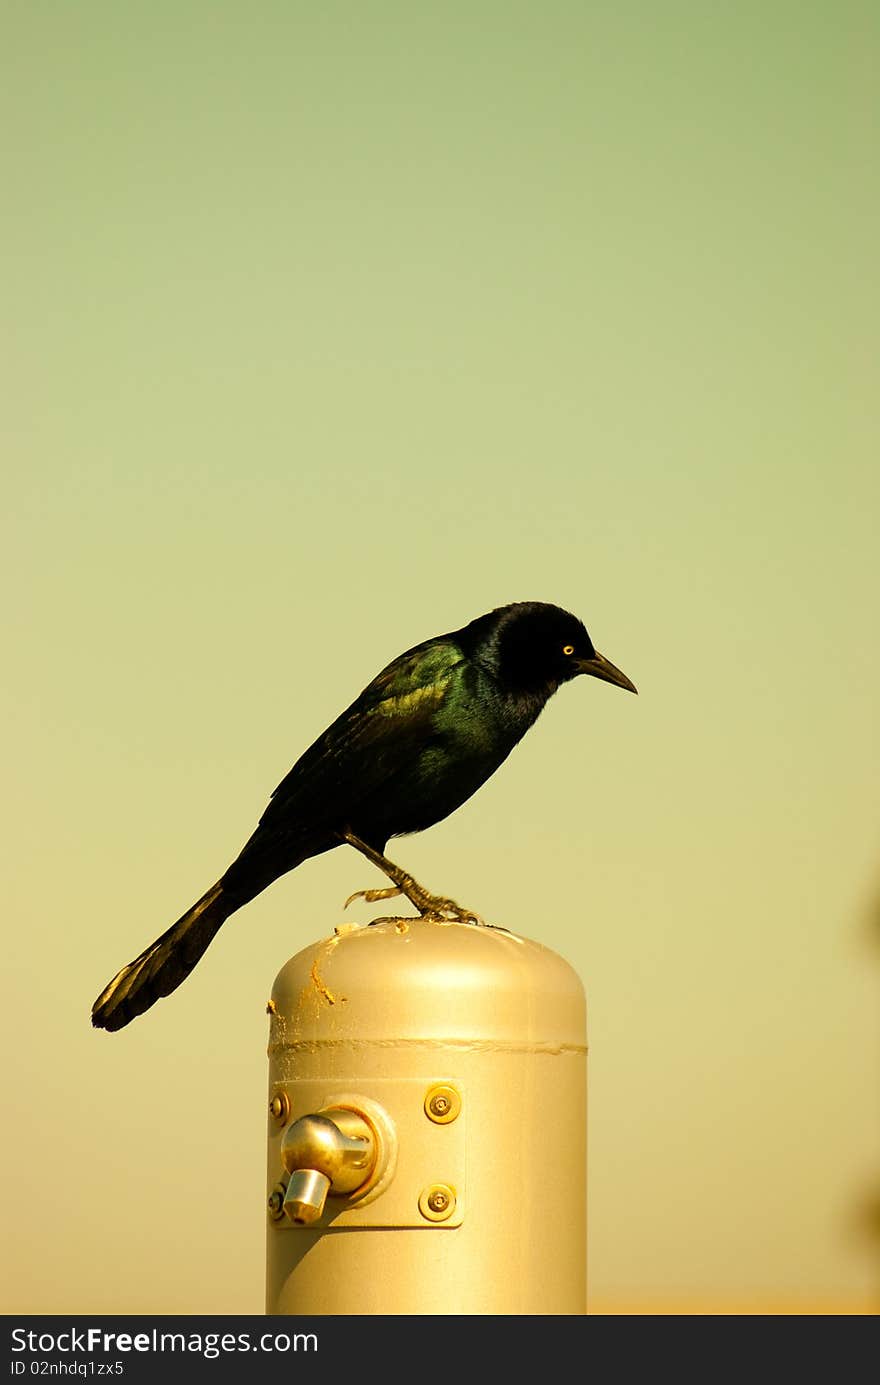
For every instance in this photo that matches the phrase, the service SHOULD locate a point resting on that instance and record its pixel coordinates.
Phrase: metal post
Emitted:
(427, 1126)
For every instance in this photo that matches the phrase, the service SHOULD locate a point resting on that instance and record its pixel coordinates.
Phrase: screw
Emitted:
(442, 1103)
(275, 1203)
(437, 1202)
(279, 1107)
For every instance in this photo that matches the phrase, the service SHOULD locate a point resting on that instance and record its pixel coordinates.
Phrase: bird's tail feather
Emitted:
(165, 963)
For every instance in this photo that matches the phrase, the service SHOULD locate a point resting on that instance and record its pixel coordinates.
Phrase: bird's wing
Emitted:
(390, 722)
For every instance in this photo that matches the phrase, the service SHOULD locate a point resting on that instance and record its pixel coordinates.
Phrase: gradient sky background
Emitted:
(334, 326)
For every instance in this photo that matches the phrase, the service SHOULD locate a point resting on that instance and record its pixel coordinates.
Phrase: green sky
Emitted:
(331, 327)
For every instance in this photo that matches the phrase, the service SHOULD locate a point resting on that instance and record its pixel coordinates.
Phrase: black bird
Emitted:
(419, 740)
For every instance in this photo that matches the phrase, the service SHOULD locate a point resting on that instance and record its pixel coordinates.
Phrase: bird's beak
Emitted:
(600, 667)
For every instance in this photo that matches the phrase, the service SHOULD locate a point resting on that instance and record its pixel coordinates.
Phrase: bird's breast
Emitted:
(452, 765)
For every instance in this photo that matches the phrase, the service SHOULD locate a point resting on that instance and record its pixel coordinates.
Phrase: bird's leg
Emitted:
(429, 905)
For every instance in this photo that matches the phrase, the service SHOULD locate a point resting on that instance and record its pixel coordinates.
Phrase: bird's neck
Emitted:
(519, 707)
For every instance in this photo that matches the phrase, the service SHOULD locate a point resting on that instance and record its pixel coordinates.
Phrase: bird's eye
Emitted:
(568, 649)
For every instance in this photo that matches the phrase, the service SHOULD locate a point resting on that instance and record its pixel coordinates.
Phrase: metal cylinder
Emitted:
(461, 1050)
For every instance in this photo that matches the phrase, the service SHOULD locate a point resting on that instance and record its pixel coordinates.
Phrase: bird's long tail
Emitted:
(169, 960)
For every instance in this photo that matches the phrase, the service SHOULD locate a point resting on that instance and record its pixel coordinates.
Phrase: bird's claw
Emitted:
(432, 907)
(373, 896)
(402, 925)
(447, 911)
(434, 916)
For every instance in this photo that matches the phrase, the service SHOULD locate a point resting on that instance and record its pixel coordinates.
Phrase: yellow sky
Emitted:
(332, 328)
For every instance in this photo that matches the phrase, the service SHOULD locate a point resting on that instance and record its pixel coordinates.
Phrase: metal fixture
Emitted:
(462, 1051)
(330, 1152)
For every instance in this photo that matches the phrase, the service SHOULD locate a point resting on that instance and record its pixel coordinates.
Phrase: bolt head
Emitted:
(437, 1202)
(279, 1107)
(442, 1103)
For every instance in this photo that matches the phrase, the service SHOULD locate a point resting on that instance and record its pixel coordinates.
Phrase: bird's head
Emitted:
(533, 647)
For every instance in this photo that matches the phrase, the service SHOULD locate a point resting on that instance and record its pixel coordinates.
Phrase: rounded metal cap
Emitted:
(458, 982)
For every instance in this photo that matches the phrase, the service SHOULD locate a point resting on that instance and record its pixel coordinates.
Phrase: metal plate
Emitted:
(420, 1154)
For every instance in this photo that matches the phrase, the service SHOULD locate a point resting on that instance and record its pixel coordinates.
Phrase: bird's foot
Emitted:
(443, 910)
(437, 908)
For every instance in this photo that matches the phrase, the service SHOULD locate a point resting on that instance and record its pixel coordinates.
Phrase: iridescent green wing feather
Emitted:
(391, 721)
